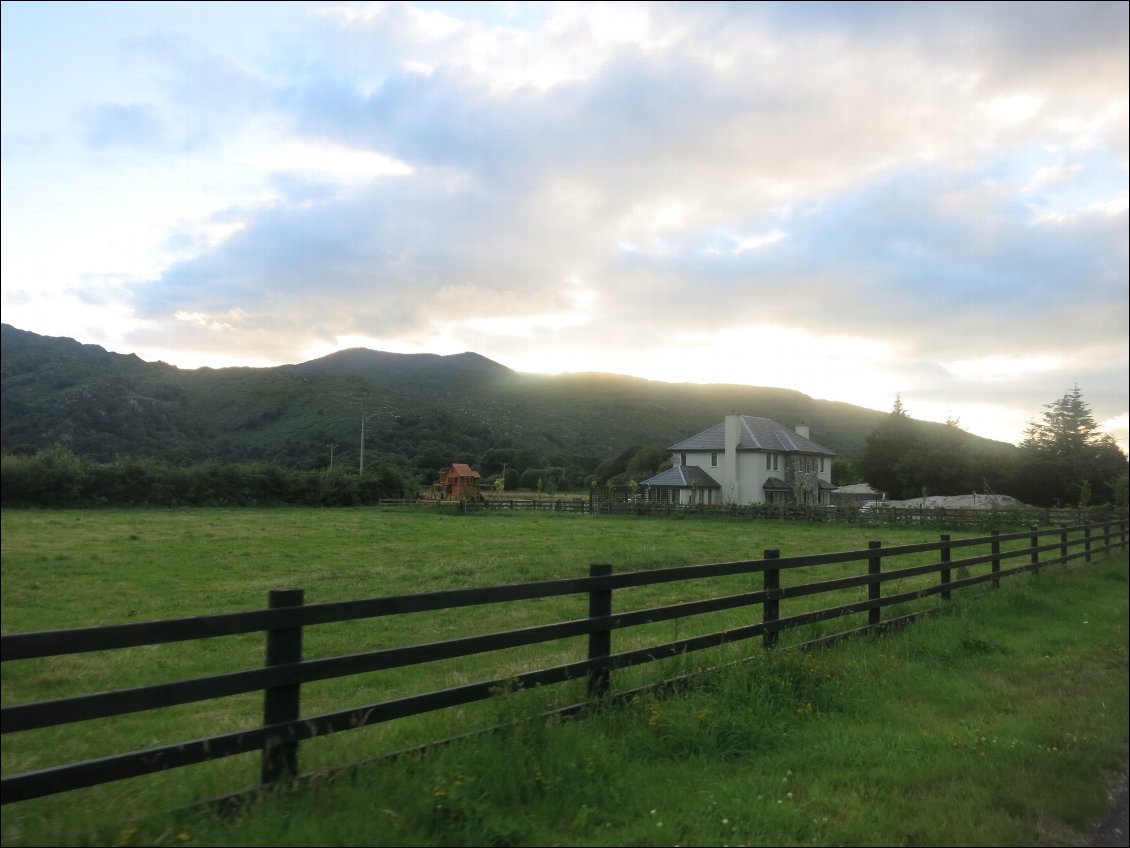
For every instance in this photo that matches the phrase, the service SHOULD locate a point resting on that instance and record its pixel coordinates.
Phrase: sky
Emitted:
(857, 201)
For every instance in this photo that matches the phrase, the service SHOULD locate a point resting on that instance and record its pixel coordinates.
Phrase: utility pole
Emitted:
(331, 447)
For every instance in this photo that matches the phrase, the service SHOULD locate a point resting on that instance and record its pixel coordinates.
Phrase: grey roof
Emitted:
(759, 434)
(682, 477)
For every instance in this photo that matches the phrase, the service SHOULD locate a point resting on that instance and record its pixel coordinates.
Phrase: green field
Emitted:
(997, 662)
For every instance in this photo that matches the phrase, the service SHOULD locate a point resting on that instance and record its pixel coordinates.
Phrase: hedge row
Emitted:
(57, 478)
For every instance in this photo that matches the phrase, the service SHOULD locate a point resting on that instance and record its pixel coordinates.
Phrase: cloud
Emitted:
(936, 192)
(515, 185)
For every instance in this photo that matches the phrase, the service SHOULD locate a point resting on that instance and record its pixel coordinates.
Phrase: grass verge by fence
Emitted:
(997, 724)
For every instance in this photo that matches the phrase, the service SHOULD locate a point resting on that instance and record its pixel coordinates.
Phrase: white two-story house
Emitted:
(745, 460)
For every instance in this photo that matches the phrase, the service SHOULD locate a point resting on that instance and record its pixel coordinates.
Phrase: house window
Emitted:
(768, 462)
(821, 465)
(682, 459)
(714, 460)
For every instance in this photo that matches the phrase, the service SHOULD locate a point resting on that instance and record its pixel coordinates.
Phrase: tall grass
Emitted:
(919, 736)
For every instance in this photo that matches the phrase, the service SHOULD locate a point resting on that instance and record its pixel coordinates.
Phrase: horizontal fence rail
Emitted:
(285, 671)
(596, 504)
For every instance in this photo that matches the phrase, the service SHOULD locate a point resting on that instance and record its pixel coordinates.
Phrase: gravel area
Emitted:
(973, 501)
(1115, 831)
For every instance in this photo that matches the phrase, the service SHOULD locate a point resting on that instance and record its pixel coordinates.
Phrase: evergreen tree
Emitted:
(890, 462)
(1067, 458)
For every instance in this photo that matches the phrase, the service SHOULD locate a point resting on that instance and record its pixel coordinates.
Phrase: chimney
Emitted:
(802, 431)
(733, 432)
(730, 458)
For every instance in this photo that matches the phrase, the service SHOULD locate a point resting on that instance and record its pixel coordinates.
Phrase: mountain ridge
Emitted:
(420, 411)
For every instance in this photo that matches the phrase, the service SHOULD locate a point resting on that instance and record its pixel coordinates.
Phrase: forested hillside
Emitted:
(419, 412)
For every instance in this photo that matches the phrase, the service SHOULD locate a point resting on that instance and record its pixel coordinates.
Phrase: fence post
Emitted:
(1034, 544)
(771, 609)
(1063, 542)
(995, 547)
(1087, 540)
(281, 703)
(874, 568)
(1106, 539)
(600, 641)
(946, 557)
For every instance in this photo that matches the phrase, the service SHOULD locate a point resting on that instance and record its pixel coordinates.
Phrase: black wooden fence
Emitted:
(283, 727)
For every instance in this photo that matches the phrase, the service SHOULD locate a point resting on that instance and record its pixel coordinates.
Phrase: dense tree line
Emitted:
(58, 478)
(1063, 461)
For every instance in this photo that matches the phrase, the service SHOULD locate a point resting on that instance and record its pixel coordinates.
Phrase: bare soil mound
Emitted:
(973, 501)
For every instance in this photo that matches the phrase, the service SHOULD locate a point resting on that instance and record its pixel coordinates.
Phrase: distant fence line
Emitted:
(1011, 516)
(283, 728)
